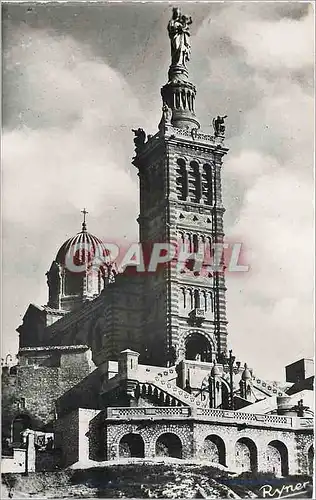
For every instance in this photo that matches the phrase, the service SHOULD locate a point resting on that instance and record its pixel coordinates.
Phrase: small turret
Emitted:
(246, 375)
(246, 383)
(215, 371)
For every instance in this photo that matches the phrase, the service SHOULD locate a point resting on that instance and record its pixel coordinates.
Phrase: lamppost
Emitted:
(300, 408)
(231, 361)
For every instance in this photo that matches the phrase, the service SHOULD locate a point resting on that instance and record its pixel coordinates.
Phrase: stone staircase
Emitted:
(266, 387)
(161, 386)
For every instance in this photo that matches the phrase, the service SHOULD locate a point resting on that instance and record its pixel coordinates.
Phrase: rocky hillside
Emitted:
(140, 480)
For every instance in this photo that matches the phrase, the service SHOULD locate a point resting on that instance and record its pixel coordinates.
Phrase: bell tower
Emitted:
(181, 203)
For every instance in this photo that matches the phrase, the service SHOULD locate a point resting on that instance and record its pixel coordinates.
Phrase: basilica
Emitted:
(126, 364)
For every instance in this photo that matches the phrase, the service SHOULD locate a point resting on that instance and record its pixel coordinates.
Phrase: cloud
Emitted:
(66, 139)
(268, 44)
(254, 58)
(73, 124)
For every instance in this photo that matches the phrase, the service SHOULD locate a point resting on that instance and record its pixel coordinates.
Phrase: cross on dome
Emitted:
(84, 225)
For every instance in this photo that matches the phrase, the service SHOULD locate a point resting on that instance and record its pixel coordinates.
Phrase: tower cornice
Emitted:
(180, 138)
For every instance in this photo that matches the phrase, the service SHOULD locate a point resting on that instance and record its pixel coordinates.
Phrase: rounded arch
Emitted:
(132, 445)
(246, 455)
(278, 458)
(215, 449)
(182, 158)
(181, 179)
(20, 422)
(207, 184)
(198, 347)
(225, 395)
(195, 184)
(310, 457)
(168, 444)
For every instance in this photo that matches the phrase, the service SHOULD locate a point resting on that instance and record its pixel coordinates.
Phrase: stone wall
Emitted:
(84, 394)
(67, 437)
(266, 449)
(260, 438)
(42, 375)
(107, 324)
(150, 432)
(97, 437)
(305, 452)
(72, 435)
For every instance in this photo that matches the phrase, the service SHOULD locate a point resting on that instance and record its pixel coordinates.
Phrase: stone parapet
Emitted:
(210, 415)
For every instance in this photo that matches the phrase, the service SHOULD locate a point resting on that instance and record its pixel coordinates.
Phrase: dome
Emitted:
(83, 249)
(80, 272)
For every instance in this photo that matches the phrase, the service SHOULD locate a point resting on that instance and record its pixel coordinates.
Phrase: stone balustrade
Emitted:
(210, 415)
(267, 387)
(162, 411)
(180, 132)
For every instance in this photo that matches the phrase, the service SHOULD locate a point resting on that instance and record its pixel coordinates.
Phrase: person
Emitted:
(49, 444)
(179, 34)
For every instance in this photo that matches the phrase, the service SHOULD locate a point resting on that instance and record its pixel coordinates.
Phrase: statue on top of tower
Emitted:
(179, 34)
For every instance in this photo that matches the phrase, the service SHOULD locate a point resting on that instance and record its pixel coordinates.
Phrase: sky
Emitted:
(78, 77)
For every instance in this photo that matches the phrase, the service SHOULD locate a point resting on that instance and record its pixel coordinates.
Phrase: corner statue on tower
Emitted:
(179, 34)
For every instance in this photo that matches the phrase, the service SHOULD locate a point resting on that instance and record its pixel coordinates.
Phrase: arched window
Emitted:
(184, 302)
(211, 301)
(194, 182)
(182, 238)
(191, 298)
(181, 180)
(205, 304)
(197, 302)
(73, 283)
(207, 184)
(195, 243)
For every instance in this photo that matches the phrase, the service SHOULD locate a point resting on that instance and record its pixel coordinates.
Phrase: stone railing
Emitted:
(148, 412)
(174, 390)
(267, 387)
(188, 134)
(210, 415)
(167, 373)
(198, 136)
(254, 419)
(154, 371)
